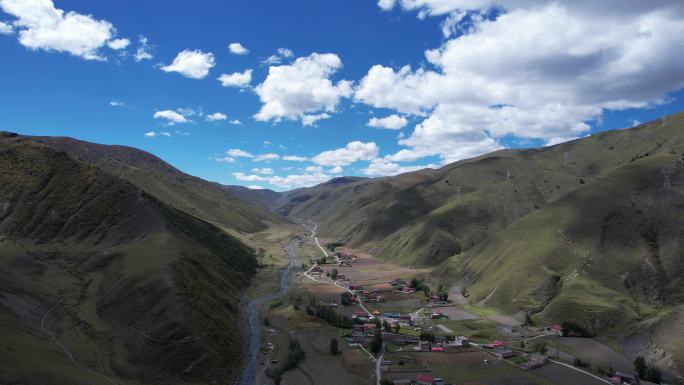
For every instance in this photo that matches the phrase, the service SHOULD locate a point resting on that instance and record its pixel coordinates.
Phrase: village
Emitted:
(393, 324)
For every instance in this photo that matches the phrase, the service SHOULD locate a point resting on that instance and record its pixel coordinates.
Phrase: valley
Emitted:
(558, 265)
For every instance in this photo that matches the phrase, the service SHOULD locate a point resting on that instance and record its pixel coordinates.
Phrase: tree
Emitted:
(387, 326)
(376, 344)
(333, 274)
(386, 381)
(528, 319)
(541, 348)
(414, 283)
(345, 298)
(334, 347)
(640, 366)
(653, 374)
(444, 295)
(397, 327)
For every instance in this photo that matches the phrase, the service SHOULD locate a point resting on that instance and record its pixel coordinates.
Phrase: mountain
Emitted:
(265, 198)
(588, 231)
(209, 201)
(103, 282)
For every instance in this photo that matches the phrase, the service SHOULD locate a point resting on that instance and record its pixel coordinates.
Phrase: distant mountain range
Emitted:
(111, 251)
(590, 231)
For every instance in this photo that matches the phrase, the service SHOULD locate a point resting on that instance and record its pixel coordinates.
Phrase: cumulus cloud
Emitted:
(277, 58)
(235, 122)
(193, 64)
(237, 49)
(295, 158)
(154, 134)
(266, 157)
(42, 26)
(263, 170)
(216, 116)
(143, 51)
(236, 79)
(237, 153)
(382, 167)
(352, 152)
(392, 122)
(6, 29)
(118, 44)
(302, 90)
(172, 117)
(539, 70)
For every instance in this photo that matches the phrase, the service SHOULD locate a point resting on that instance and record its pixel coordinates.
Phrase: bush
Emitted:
(579, 363)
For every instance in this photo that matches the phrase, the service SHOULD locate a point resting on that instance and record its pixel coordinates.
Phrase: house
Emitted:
(460, 342)
(424, 379)
(360, 314)
(556, 329)
(341, 277)
(438, 381)
(623, 378)
(369, 328)
(437, 315)
(437, 349)
(400, 339)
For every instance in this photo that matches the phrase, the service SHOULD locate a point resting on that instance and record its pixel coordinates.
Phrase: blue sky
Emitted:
(462, 91)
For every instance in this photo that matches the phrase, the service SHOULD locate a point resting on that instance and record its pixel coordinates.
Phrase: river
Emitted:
(254, 313)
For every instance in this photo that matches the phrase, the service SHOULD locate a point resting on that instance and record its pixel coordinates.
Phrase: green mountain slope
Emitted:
(588, 231)
(103, 283)
(209, 201)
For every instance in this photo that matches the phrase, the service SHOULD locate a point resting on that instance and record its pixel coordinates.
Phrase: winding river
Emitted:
(254, 319)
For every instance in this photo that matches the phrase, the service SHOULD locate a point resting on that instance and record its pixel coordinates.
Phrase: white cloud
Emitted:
(263, 170)
(392, 122)
(6, 29)
(117, 44)
(154, 134)
(336, 170)
(172, 117)
(277, 58)
(143, 50)
(42, 26)
(310, 120)
(216, 116)
(352, 152)
(235, 122)
(554, 141)
(237, 49)
(635, 123)
(236, 79)
(266, 157)
(302, 90)
(225, 159)
(541, 70)
(193, 64)
(116, 103)
(255, 187)
(295, 158)
(237, 153)
(248, 178)
(381, 167)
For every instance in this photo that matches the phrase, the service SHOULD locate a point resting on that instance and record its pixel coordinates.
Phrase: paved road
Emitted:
(254, 319)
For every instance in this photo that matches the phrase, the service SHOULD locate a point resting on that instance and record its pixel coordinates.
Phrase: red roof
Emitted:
(361, 313)
(437, 349)
(558, 327)
(424, 377)
(371, 326)
(500, 343)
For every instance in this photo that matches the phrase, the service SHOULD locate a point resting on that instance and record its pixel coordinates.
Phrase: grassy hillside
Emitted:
(588, 231)
(209, 201)
(104, 283)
